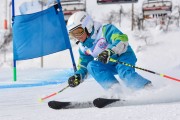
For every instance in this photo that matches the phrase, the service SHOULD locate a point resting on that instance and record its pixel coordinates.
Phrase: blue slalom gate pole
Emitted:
(14, 61)
(67, 39)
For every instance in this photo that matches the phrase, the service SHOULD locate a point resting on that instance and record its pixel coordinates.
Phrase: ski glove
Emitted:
(105, 55)
(74, 80)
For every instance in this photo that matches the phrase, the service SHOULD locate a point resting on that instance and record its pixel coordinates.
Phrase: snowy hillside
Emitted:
(160, 53)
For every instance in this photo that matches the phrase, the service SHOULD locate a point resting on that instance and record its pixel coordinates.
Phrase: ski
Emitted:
(69, 105)
(98, 102)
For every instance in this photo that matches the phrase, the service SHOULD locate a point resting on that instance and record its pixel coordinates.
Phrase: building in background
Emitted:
(155, 8)
(71, 6)
(115, 1)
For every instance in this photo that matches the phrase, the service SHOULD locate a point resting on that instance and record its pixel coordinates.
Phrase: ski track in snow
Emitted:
(20, 104)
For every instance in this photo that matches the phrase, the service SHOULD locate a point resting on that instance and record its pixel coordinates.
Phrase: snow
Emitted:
(162, 102)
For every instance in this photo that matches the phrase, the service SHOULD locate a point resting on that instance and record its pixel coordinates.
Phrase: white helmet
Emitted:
(82, 19)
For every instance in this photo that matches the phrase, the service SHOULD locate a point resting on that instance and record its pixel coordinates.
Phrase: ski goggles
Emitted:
(77, 32)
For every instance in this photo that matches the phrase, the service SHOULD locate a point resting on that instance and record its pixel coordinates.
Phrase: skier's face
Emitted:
(79, 33)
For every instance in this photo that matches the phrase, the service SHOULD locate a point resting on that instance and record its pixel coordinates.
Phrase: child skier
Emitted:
(97, 45)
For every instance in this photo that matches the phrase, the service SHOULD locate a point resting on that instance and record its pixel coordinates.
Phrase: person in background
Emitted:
(99, 46)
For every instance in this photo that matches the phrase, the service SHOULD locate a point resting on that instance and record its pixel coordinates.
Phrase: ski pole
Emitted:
(53, 94)
(129, 65)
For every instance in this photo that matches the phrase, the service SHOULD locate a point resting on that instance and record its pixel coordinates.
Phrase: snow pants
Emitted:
(104, 73)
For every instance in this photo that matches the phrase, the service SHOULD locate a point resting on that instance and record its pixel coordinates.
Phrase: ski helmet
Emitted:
(80, 19)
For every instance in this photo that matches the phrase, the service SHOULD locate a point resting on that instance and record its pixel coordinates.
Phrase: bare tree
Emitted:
(6, 42)
(111, 17)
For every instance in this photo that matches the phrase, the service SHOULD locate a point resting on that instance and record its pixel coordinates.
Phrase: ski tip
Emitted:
(52, 105)
(102, 102)
(58, 105)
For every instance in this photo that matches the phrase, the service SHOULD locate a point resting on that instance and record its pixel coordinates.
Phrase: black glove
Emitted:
(74, 80)
(105, 55)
